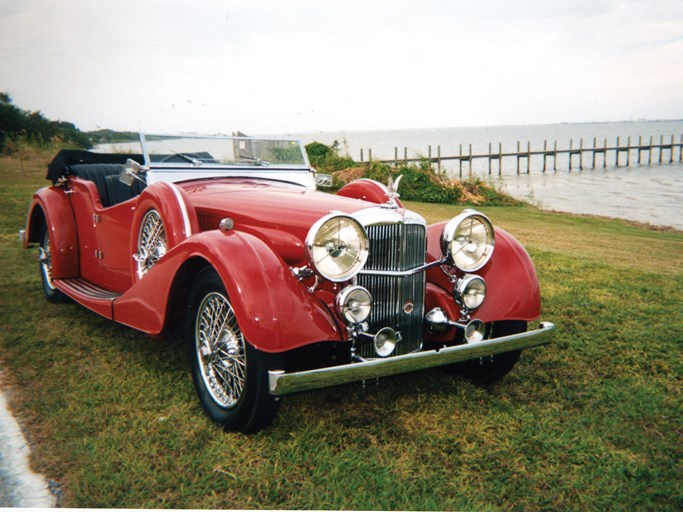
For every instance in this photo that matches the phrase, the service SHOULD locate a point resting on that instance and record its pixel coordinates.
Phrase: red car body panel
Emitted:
(288, 211)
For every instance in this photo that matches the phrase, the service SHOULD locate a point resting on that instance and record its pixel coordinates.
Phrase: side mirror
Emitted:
(323, 180)
(130, 172)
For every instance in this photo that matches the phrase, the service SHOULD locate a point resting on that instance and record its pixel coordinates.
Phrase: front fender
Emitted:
(512, 289)
(274, 311)
(52, 207)
(368, 190)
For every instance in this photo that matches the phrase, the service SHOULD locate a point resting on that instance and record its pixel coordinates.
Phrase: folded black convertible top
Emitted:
(67, 157)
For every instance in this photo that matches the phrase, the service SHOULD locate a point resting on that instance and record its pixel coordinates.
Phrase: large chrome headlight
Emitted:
(467, 240)
(337, 247)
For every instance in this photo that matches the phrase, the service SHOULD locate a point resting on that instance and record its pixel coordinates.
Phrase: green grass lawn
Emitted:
(592, 422)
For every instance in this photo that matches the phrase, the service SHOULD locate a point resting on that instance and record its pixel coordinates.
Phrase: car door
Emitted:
(84, 198)
(113, 229)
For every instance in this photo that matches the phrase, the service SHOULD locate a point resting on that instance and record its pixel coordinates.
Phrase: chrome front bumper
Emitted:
(282, 383)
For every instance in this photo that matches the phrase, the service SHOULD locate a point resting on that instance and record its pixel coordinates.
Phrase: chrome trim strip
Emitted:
(399, 273)
(282, 383)
(183, 210)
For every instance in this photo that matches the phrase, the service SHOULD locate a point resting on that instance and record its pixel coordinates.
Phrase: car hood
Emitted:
(277, 212)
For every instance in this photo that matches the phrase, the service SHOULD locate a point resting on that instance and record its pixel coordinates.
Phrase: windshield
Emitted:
(199, 151)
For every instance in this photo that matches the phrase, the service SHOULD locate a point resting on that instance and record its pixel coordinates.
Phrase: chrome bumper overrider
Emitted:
(282, 383)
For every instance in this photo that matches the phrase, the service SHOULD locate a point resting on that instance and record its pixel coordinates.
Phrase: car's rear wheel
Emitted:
(230, 376)
(52, 294)
(487, 370)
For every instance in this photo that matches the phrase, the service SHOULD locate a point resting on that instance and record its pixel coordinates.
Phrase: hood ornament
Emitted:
(392, 191)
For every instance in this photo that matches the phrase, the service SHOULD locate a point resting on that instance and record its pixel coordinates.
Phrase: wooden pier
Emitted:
(625, 153)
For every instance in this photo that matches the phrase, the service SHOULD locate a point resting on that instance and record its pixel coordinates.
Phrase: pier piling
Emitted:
(555, 157)
(616, 151)
(649, 155)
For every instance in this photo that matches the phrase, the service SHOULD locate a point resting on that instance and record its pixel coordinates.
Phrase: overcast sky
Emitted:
(308, 65)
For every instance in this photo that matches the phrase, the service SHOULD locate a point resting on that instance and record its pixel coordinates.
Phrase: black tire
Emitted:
(488, 370)
(52, 294)
(230, 376)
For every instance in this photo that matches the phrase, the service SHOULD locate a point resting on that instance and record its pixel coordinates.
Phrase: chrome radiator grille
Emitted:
(398, 301)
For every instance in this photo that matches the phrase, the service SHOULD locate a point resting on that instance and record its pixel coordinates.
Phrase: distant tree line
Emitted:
(16, 123)
(103, 136)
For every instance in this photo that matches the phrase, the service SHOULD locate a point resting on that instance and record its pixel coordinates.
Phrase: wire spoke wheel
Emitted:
(229, 374)
(152, 242)
(52, 294)
(220, 350)
(46, 261)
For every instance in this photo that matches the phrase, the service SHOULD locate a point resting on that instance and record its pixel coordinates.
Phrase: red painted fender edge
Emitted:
(274, 310)
(59, 217)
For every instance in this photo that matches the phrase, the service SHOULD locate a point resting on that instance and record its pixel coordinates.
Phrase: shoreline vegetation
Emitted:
(419, 180)
(591, 422)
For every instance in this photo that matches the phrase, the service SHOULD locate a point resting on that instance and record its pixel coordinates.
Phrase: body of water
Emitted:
(643, 193)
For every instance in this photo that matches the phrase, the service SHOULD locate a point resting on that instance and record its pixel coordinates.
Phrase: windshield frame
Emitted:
(257, 164)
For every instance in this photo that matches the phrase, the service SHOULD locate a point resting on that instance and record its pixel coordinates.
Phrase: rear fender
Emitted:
(51, 207)
(512, 289)
(274, 310)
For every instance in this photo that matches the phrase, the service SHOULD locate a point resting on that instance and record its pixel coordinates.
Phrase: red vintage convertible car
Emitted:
(277, 287)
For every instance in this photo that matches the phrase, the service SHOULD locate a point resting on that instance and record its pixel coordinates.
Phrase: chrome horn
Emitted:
(437, 322)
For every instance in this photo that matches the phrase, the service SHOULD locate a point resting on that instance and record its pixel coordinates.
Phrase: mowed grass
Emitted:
(592, 422)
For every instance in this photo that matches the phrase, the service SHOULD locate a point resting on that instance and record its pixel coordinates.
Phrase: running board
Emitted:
(91, 296)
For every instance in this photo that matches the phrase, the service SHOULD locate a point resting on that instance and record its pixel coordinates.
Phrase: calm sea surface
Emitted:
(644, 193)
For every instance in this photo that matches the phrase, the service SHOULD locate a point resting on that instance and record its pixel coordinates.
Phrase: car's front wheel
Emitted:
(230, 376)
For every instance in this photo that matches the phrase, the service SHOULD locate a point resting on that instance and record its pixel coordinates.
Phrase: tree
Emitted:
(15, 123)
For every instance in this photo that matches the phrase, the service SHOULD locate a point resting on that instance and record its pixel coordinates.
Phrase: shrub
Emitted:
(326, 158)
(419, 182)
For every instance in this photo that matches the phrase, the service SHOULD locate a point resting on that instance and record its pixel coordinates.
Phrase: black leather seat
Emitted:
(118, 192)
(106, 178)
